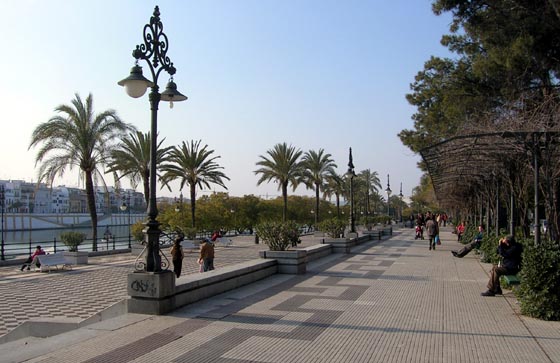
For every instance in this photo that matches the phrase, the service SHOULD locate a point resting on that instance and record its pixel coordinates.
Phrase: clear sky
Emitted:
(316, 74)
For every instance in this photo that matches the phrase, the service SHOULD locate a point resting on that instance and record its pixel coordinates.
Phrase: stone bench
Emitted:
(373, 234)
(223, 242)
(317, 251)
(190, 245)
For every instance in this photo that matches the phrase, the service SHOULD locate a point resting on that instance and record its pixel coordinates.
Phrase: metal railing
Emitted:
(20, 249)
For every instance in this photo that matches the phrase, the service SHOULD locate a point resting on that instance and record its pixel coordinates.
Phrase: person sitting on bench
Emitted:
(469, 247)
(32, 259)
(510, 251)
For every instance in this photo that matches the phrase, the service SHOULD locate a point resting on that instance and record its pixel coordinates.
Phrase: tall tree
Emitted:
(317, 165)
(131, 159)
(334, 186)
(282, 166)
(372, 185)
(504, 49)
(193, 165)
(77, 137)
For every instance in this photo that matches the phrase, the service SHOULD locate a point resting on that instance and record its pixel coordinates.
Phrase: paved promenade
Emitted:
(387, 301)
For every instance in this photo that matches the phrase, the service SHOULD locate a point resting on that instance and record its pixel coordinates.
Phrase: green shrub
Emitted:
(489, 249)
(381, 218)
(137, 231)
(539, 291)
(333, 227)
(72, 240)
(278, 235)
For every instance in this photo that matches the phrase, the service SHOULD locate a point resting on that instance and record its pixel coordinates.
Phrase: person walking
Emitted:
(510, 251)
(177, 255)
(206, 255)
(432, 230)
(460, 230)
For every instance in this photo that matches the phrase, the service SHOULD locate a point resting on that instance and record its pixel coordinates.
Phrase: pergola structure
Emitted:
(465, 167)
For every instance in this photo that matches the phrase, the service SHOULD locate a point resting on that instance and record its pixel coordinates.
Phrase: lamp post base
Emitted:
(151, 293)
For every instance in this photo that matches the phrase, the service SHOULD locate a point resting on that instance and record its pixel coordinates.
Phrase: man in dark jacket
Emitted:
(510, 251)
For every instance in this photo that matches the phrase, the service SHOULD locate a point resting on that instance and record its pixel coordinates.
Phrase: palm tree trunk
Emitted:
(285, 199)
(337, 205)
(317, 187)
(193, 202)
(90, 193)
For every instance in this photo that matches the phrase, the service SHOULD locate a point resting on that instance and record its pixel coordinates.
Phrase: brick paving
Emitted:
(388, 301)
(86, 290)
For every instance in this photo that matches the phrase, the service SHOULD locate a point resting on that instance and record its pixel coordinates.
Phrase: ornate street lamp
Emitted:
(388, 190)
(154, 52)
(125, 206)
(179, 203)
(350, 173)
(401, 196)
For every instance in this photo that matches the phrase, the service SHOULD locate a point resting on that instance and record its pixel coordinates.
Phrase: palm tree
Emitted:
(334, 186)
(194, 166)
(372, 186)
(76, 137)
(132, 159)
(317, 166)
(283, 167)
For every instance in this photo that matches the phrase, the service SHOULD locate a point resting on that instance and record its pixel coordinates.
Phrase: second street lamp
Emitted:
(154, 52)
(350, 173)
(401, 206)
(125, 206)
(388, 190)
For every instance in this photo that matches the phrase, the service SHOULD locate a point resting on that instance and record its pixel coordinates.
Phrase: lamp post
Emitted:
(350, 173)
(388, 190)
(3, 201)
(233, 220)
(179, 203)
(401, 196)
(179, 208)
(125, 206)
(154, 52)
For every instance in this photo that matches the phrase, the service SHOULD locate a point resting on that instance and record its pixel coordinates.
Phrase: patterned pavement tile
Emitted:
(419, 306)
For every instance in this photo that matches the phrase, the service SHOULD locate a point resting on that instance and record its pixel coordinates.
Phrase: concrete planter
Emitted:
(387, 231)
(340, 245)
(76, 258)
(289, 262)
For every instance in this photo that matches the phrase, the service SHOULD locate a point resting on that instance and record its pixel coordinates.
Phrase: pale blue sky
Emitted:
(312, 73)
